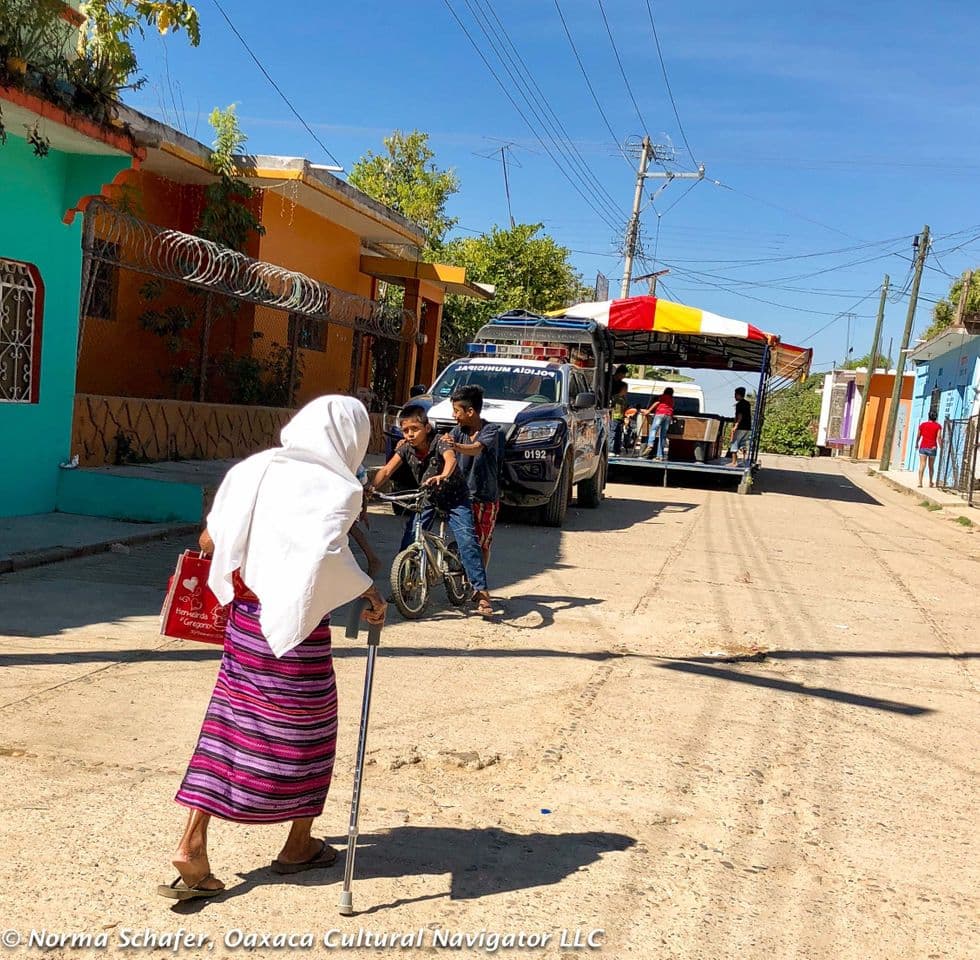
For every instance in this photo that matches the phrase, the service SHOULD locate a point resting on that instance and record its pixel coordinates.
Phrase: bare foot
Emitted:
(195, 871)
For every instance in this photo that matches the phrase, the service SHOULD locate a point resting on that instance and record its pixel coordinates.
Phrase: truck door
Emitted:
(585, 432)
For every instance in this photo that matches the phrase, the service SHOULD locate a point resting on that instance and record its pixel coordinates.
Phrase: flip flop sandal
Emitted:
(178, 890)
(485, 609)
(326, 856)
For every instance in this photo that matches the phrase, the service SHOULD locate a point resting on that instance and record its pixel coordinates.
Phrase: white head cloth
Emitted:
(282, 516)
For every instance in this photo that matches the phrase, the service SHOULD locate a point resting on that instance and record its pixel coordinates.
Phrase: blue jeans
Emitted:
(617, 437)
(460, 521)
(658, 431)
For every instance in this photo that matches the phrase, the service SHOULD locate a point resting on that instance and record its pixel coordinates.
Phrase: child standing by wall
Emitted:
(476, 442)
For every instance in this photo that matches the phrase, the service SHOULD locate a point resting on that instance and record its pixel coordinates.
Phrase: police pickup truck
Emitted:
(546, 383)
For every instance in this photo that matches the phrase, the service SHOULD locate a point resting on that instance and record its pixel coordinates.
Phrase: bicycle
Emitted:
(417, 568)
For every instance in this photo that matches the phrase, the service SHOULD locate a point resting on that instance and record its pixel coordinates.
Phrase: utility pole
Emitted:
(503, 160)
(651, 279)
(873, 363)
(922, 242)
(633, 227)
(647, 152)
(964, 296)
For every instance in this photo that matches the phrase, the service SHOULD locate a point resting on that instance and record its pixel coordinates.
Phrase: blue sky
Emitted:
(830, 127)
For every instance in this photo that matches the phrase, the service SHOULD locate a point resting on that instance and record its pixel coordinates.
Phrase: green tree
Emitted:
(865, 361)
(227, 217)
(530, 272)
(405, 178)
(792, 417)
(111, 26)
(944, 311)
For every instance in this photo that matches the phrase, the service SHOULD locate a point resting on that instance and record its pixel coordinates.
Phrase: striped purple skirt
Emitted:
(266, 750)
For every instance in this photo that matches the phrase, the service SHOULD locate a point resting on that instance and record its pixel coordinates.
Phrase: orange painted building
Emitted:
(870, 445)
(142, 335)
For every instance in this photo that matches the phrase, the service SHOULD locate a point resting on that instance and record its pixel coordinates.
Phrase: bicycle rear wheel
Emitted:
(409, 586)
(458, 588)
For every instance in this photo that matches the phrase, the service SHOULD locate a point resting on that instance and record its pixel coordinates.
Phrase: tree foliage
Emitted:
(111, 26)
(529, 269)
(865, 361)
(792, 417)
(944, 311)
(405, 178)
(227, 217)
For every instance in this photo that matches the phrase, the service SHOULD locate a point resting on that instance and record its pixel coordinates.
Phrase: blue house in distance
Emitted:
(947, 383)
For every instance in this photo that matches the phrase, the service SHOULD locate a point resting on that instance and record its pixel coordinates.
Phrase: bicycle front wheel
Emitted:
(409, 585)
(458, 588)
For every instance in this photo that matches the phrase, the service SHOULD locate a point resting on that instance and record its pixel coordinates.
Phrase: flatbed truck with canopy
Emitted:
(653, 332)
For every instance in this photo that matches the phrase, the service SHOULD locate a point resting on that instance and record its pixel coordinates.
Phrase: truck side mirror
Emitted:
(584, 400)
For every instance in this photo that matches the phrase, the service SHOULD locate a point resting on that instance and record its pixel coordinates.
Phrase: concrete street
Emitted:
(713, 726)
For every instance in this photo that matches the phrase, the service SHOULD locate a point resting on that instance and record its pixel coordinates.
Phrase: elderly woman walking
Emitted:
(280, 557)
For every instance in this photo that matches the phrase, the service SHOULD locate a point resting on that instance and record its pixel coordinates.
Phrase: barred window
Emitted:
(311, 333)
(21, 309)
(104, 281)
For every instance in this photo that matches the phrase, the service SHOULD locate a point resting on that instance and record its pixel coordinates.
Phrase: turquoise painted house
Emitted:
(41, 186)
(947, 382)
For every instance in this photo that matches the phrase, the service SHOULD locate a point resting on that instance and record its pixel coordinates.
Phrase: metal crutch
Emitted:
(373, 640)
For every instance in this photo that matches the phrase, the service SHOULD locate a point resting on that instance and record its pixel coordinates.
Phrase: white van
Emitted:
(688, 397)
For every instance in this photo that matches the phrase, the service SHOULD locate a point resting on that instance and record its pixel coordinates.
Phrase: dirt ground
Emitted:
(706, 725)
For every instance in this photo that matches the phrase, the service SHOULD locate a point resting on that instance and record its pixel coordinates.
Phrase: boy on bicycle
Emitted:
(433, 464)
(476, 443)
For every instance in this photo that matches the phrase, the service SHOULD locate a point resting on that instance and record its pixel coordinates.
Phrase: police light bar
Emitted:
(526, 351)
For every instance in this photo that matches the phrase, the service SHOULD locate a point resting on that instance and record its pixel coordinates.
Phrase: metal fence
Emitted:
(959, 457)
(167, 315)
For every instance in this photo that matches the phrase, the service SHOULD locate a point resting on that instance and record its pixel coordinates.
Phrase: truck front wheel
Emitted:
(590, 492)
(553, 512)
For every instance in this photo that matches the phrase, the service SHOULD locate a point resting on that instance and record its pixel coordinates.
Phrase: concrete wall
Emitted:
(956, 375)
(33, 191)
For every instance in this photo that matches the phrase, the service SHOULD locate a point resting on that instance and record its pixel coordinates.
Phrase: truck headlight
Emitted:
(537, 432)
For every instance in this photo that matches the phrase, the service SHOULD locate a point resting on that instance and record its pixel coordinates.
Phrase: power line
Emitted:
(275, 85)
(678, 200)
(622, 69)
(588, 83)
(670, 93)
(517, 75)
(777, 206)
(841, 315)
(574, 184)
(737, 264)
(748, 296)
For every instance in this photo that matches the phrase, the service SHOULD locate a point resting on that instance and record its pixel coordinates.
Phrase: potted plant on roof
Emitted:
(107, 63)
(33, 37)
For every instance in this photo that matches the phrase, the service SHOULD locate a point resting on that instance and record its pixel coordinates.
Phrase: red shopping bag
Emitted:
(191, 611)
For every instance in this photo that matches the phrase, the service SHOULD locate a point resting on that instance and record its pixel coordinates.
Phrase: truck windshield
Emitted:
(502, 382)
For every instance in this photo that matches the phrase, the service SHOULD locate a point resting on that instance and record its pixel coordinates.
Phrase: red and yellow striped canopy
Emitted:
(652, 315)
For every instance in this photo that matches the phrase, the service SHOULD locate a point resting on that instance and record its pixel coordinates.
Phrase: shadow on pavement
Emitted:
(788, 686)
(205, 652)
(483, 862)
(812, 485)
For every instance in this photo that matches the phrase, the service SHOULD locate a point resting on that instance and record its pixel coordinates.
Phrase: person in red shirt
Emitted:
(662, 409)
(928, 444)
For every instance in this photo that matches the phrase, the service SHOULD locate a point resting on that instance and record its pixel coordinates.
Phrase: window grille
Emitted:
(21, 307)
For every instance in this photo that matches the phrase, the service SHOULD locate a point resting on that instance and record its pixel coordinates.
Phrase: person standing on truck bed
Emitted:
(619, 403)
(476, 443)
(743, 427)
(663, 410)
